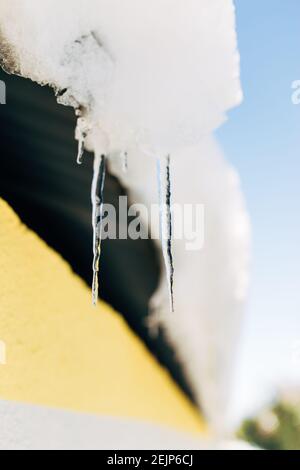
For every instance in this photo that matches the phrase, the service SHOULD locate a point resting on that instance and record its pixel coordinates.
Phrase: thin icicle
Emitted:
(97, 202)
(124, 157)
(81, 134)
(164, 179)
(80, 150)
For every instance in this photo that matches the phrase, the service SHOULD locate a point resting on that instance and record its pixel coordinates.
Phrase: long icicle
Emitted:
(164, 182)
(97, 202)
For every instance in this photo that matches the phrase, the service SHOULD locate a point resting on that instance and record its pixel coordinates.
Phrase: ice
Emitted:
(164, 182)
(124, 157)
(80, 150)
(81, 135)
(150, 78)
(97, 203)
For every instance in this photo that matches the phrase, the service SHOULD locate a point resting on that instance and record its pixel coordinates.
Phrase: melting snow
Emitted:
(149, 79)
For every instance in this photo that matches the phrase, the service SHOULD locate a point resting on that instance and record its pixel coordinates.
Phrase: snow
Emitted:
(151, 79)
(161, 73)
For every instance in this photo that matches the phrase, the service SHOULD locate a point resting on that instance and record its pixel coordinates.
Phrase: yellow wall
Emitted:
(64, 353)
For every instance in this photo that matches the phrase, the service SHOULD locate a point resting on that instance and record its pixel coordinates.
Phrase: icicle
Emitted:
(97, 202)
(81, 135)
(80, 150)
(125, 161)
(164, 179)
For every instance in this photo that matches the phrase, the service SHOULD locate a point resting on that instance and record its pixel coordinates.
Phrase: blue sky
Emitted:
(262, 139)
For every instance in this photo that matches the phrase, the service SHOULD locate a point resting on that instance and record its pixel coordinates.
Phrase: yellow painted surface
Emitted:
(62, 352)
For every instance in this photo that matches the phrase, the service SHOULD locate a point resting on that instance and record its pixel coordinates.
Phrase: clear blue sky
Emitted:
(262, 139)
